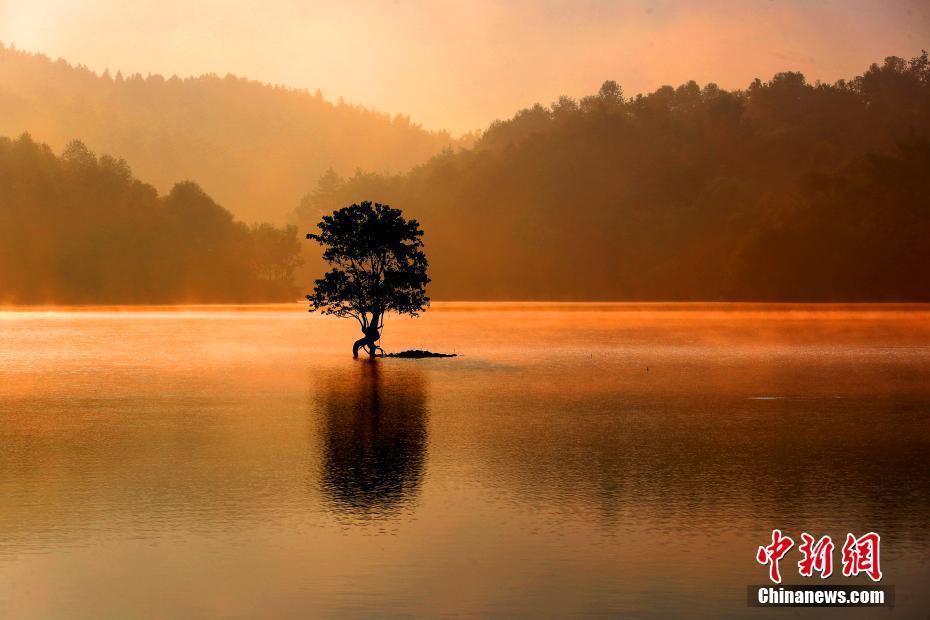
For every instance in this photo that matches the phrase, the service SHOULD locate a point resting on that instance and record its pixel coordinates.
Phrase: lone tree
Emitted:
(378, 266)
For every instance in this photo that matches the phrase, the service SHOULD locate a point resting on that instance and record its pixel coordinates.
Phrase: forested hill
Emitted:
(786, 190)
(81, 229)
(252, 146)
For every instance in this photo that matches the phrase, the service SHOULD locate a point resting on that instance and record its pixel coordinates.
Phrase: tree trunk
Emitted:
(371, 337)
(369, 342)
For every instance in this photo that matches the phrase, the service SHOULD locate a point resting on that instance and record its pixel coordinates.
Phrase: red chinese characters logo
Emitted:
(773, 553)
(859, 555)
(818, 556)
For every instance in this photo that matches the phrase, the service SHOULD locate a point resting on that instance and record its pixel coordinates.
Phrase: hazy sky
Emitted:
(459, 65)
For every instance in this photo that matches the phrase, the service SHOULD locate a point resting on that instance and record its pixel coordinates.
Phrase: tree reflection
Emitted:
(374, 438)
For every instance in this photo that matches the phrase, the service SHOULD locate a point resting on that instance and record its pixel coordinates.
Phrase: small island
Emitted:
(418, 354)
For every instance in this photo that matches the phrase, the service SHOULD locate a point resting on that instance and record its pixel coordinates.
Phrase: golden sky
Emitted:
(459, 65)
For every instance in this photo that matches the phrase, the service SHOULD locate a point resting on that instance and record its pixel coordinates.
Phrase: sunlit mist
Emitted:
(459, 65)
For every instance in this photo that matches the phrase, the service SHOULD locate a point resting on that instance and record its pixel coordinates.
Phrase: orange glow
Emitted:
(459, 65)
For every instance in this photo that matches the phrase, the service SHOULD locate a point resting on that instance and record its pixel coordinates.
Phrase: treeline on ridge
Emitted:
(254, 147)
(786, 190)
(78, 228)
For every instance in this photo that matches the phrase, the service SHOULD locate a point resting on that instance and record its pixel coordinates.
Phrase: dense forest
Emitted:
(81, 229)
(252, 146)
(786, 190)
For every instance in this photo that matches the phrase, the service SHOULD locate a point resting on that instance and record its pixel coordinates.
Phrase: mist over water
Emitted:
(578, 458)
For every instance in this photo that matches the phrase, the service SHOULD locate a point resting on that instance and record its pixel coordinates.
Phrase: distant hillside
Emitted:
(252, 146)
(784, 191)
(81, 229)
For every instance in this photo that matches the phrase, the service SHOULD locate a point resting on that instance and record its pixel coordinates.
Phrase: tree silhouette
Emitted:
(378, 266)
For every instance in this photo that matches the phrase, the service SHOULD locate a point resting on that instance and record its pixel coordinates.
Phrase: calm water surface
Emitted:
(578, 459)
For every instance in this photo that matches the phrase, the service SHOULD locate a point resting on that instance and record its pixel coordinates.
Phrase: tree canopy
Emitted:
(377, 266)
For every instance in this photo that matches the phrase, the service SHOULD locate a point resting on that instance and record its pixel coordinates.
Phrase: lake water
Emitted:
(601, 459)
